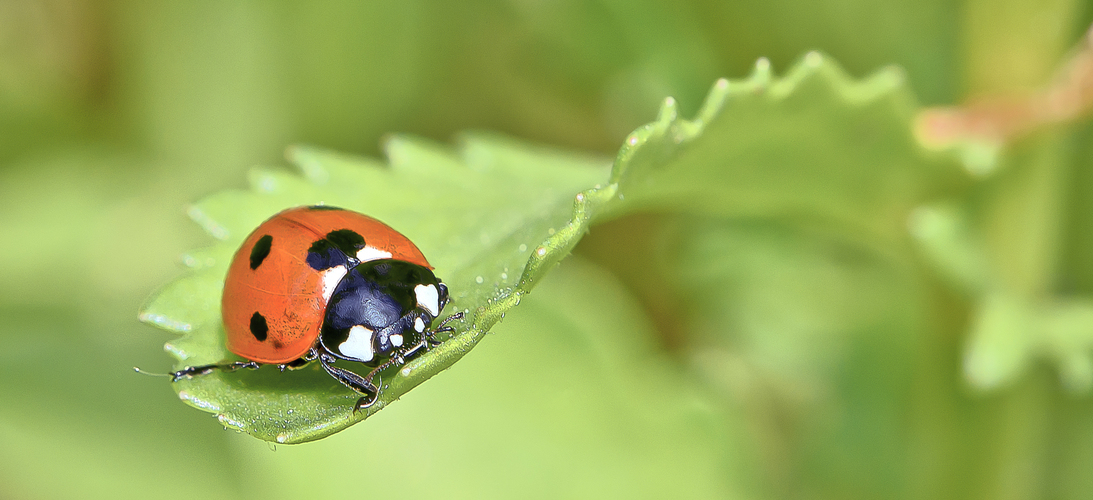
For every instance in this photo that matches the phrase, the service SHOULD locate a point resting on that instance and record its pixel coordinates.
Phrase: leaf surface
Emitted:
(495, 216)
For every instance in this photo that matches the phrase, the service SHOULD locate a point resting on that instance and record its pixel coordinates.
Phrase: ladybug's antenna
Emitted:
(142, 372)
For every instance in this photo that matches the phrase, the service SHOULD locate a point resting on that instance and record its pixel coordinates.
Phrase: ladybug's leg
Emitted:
(192, 371)
(353, 381)
(398, 359)
(300, 362)
(410, 352)
(428, 338)
(430, 335)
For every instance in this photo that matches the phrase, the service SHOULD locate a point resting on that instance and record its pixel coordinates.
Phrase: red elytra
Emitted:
(289, 294)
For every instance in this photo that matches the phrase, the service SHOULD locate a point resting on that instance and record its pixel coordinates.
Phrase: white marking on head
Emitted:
(359, 344)
(331, 278)
(372, 253)
(396, 339)
(419, 325)
(429, 298)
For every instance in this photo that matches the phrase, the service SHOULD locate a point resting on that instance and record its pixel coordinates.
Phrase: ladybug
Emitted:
(321, 283)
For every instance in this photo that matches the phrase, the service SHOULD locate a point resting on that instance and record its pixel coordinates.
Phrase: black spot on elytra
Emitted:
(336, 249)
(323, 207)
(258, 327)
(260, 251)
(346, 240)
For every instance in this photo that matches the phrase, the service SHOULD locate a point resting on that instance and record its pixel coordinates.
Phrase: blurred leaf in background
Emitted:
(860, 350)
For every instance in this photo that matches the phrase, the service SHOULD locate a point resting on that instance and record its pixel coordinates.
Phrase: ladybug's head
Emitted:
(431, 296)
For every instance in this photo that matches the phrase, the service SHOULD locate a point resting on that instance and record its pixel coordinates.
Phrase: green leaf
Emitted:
(495, 216)
(477, 215)
(813, 146)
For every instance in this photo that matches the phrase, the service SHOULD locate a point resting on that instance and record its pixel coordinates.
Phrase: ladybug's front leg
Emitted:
(353, 381)
(428, 337)
(443, 328)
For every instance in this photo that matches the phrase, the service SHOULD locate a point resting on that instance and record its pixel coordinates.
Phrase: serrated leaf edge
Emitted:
(587, 205)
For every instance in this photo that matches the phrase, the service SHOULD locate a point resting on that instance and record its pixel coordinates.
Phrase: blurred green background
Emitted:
(844, 376)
